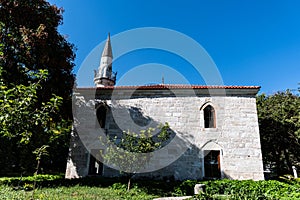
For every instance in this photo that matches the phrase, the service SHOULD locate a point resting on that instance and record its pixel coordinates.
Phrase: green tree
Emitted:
(131, 152)
(19, 113)
(279, 124)
(30, 42)
(24, 126)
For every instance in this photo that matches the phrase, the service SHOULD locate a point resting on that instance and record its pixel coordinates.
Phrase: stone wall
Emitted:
(236, 134)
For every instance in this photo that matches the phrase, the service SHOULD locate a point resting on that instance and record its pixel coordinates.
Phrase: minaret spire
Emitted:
(107, 51)
(105, 76)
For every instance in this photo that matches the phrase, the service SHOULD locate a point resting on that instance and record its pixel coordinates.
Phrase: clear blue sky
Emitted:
(252, 42)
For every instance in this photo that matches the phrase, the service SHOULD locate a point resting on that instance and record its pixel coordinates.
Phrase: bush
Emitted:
(185, 188)
(249, 189)
(17, 181)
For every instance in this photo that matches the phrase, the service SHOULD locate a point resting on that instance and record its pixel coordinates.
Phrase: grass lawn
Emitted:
(56, 187)
(74, 192)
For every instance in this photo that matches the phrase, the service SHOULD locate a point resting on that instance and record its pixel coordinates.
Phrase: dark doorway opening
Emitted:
(95, 165)
(212, 168)
(101, 116)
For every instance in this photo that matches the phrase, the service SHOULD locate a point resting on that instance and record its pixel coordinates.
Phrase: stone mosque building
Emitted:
(216, 133)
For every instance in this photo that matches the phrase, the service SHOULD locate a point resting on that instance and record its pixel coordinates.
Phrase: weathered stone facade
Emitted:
(214, 128)
(231, 147)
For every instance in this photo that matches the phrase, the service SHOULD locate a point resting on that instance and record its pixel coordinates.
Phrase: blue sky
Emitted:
(251, 42)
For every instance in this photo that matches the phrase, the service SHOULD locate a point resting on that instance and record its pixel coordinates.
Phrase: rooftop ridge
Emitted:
(173, 86)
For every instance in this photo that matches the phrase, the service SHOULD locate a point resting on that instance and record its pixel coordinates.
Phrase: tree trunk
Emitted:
(35, 174)
(129, 183)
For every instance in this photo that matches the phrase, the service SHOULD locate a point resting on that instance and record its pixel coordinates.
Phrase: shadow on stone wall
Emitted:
(185, 162)
(176, 159)
(119, 120)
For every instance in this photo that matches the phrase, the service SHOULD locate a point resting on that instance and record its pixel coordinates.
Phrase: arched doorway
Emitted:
(212, 160)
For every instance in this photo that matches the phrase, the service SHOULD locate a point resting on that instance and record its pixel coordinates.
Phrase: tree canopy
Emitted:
(279, 123)
(130, 152)
(37, 80)
(29, 41)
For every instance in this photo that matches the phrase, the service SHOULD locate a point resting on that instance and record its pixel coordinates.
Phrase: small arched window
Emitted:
(101, 116)
(209, 117)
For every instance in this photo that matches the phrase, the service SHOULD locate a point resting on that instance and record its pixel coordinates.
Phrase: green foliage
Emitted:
(19, 115)
(24, 182)
(186, 188)
(26, 123)
(126, 151)
(56, 187)
(36, 80)
(42, 151)
(237, 190)
(279, 123)
(30, 45)
(131, 152)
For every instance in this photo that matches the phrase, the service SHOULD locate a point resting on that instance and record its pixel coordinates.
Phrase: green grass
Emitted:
(74, 192)
(56, 187)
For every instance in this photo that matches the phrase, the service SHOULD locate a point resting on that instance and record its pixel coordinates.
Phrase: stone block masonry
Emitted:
(229, 149)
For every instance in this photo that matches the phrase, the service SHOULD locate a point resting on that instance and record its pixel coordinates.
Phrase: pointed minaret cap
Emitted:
(107, 51)
(105, 76)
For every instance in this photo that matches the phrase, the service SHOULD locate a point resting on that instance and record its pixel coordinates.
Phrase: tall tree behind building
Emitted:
(30, 41)
(279, 124)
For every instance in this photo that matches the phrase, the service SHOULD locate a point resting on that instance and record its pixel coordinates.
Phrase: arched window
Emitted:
(209, 117)
(101, 116)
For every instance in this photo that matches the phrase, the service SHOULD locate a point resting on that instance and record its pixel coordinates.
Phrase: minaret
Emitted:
(105, 76)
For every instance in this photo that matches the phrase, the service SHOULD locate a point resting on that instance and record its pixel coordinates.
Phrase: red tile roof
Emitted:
(170, 86)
